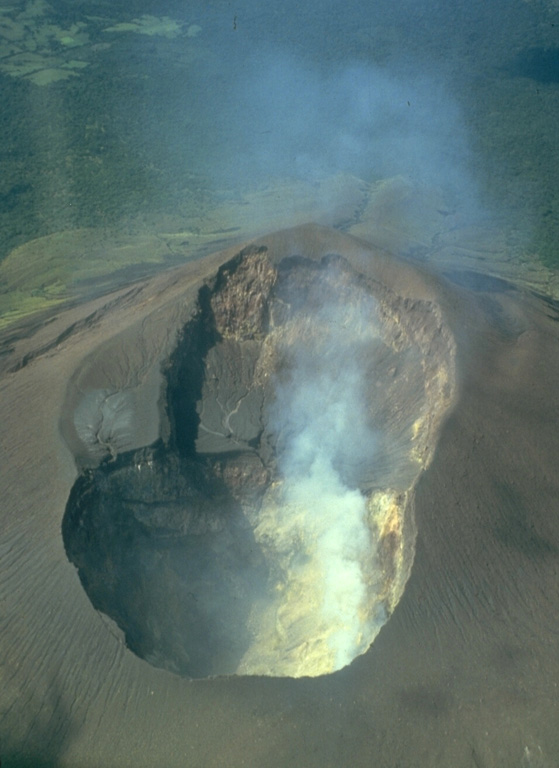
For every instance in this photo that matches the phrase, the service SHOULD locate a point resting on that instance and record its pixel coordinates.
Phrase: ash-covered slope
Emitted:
(464, 671)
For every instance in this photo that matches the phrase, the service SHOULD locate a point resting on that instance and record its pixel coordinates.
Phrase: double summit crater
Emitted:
(268, 529)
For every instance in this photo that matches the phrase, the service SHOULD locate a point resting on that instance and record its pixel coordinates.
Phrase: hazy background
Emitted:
(155, 130)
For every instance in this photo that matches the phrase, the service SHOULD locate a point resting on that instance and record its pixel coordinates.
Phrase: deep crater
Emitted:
(269, 530)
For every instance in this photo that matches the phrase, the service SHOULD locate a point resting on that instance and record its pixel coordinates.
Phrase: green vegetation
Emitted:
(50, 270)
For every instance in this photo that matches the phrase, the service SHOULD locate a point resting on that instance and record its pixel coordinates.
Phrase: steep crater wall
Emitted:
(269, 530)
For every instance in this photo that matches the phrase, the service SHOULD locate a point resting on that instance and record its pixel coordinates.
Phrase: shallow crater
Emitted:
(269, 530)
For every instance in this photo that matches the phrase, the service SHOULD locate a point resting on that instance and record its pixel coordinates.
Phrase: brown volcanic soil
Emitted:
(464, 673)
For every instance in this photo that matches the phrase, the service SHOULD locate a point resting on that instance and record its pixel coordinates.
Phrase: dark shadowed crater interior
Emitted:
(176, 541)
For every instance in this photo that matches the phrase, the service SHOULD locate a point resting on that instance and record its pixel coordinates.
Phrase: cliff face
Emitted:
(255, 462)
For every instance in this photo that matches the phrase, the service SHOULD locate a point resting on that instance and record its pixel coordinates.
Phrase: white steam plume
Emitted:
(290, 117)
(321, 417)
